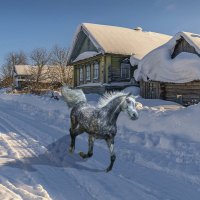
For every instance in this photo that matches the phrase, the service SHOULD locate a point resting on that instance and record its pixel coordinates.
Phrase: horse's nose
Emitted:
(134, 116)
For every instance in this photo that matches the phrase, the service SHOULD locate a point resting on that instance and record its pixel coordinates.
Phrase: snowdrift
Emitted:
(158, 65)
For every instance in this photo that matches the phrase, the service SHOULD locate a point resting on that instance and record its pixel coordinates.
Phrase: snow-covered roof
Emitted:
(159, 66)
(85, 55)
(49, 72)
(120, 40)
(134, 61)
(23, 69)
(192, 38)
(28, 69)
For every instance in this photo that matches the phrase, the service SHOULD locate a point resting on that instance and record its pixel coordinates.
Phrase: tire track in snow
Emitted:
(13, 138)
(14, 124)
(19, 145)
(38, 131)
(26, 192)
(24, 138)
(6, 193)
(7, 143)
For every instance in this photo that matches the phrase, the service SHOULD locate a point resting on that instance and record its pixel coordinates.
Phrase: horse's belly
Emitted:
(93, 125)
(103, 132)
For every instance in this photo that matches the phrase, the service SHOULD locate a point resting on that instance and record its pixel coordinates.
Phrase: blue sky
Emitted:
(28, 24)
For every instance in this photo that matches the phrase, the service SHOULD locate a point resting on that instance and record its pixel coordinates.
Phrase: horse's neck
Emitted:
(113, 109)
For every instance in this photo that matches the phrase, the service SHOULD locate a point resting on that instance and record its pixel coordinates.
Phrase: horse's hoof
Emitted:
(71, 150)
(108, 169)
(83, 155)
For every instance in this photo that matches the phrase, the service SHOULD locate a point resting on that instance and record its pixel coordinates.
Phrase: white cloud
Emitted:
(168, 5)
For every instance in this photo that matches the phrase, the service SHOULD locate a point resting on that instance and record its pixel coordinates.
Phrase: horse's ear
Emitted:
(136, 96)
(129, 94)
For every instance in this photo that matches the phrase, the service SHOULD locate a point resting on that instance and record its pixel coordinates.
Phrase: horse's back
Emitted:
(83, 112)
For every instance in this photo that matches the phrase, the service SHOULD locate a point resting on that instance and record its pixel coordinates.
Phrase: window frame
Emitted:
(81, 74)
(96, 75)
(88, 72)
(125, 66)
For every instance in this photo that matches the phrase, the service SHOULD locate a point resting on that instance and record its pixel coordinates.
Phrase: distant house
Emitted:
(21, 75)
(100, 55)
(172, 71)
(26, 75)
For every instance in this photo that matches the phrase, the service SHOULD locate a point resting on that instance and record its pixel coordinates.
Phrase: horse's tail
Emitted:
(73, 96)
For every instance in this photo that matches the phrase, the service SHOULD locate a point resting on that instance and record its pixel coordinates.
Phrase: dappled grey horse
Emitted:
(99, 122)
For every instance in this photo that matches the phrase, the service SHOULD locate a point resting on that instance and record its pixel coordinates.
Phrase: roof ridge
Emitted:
(120, 40)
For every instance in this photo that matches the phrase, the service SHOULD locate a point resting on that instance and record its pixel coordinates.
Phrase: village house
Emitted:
(100, 55)
(25, 76)
(172, 71)
(21, 74)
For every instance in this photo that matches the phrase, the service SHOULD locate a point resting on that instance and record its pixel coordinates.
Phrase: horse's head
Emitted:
(129, 106)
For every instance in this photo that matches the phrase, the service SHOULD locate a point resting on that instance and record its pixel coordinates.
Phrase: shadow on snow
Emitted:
(56, 155)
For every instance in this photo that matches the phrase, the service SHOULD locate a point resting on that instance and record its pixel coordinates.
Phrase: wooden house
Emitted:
(172, 71)
(100, 55)
(26, 75)
(21, 74)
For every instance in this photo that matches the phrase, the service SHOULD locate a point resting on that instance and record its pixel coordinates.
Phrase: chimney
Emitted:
(138, 28)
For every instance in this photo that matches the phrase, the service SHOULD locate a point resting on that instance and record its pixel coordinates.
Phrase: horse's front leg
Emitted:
(73, 138)
(74, 133)
(91, 140)
(110, 143)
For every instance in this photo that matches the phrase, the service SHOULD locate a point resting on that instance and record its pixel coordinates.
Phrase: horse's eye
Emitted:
(128, 100)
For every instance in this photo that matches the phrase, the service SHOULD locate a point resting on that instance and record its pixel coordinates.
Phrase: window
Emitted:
(96, 70)
(125, 71)
(88, 72)
(81, 74)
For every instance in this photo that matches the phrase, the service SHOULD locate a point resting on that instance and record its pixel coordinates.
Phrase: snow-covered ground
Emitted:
(158, 156)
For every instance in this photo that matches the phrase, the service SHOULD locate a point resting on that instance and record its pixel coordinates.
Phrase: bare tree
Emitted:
(40, 59)
(7, 69)
(59, 60)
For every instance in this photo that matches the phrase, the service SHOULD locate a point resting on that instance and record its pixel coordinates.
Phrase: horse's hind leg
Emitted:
(91, 140)
(110, 143)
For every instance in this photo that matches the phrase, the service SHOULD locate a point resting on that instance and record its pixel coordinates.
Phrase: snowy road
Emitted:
(35, 164)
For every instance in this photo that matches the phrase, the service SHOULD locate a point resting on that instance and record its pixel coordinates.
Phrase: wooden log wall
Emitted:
(183, 93)
(189, 92)
(150, 90)
(93, 89)
(115, 68)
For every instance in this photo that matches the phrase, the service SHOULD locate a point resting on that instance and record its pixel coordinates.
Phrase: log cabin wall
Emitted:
(183, 46)
(115, 68)
(183, 93)
(150, 90)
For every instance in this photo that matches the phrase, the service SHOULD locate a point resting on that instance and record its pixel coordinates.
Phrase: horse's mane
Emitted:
(108, 97)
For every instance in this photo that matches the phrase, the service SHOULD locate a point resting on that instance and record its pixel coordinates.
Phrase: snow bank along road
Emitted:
(157, 156)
